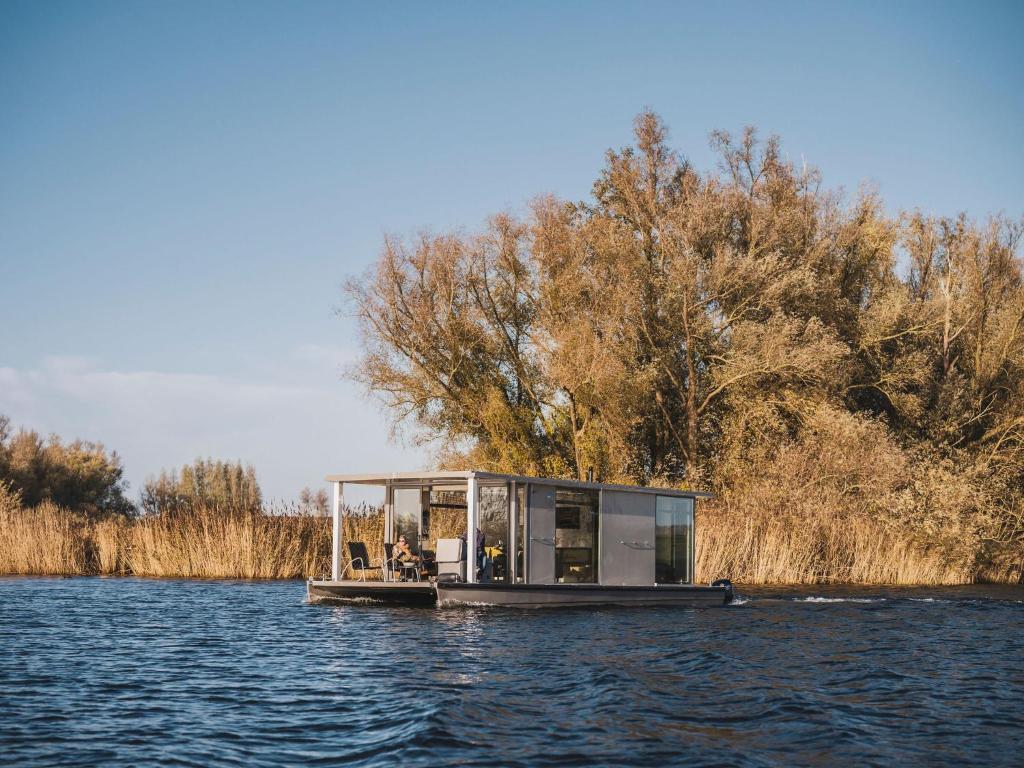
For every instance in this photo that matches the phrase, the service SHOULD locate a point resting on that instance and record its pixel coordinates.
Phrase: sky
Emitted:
(184, 186)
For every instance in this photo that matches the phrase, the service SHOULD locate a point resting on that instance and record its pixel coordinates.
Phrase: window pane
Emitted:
(575, 536)
(673, 540)
(445, 517)
(494, 526)
(407, 514)
(520, 532)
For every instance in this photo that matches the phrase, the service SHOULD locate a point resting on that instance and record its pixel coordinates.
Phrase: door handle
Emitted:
(637, 544)
(549, 542)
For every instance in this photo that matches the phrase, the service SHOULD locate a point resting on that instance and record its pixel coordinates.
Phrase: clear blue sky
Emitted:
(184, 186)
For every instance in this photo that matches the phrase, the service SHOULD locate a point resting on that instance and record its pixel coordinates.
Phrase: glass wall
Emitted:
(445, 516)
(520, 563)
(673, 540)
(493, 519)
(407, 505)
(575, 536)
(424, 514)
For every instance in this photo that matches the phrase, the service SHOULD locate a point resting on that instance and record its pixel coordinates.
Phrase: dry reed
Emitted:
(198, 544)
(776, 550)
(202, 544)
(42, 540)
(748, 549)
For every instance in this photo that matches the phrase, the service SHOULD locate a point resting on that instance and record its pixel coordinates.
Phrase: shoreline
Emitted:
(212, 544)
(754, 586)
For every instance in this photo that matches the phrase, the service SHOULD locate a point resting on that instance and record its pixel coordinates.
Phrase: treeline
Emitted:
(808, 357)
(204, 483)
(197, 542)
(78, 475)
(64, 509)
(85, 478)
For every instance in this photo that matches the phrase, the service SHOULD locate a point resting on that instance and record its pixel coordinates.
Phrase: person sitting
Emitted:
(403, 555)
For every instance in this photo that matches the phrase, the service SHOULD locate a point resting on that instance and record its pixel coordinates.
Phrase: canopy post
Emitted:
(336, 534)
(472, 515)
(389, 512)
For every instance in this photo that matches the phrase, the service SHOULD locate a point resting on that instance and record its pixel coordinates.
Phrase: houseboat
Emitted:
(538, 543)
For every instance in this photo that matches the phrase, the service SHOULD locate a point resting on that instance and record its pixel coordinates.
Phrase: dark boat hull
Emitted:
(383, 592)
(515, 595)
(573, 595)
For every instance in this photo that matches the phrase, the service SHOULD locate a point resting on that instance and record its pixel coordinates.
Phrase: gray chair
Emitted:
(451, 560)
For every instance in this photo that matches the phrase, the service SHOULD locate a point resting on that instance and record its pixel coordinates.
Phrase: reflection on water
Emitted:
(131, 672)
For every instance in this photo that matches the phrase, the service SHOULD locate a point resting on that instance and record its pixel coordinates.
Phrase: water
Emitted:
(141, 672)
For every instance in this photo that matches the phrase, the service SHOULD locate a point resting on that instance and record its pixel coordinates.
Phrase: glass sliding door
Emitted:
(424, 514)
(575, 536)
(407, 504)
(493, 519)
(445, 515)
(518, 560)
(673, 540)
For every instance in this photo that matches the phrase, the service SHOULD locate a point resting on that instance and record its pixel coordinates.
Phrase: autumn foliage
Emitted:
(816, 362)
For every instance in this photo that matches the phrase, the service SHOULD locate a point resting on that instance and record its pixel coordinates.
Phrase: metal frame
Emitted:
(473, 481)
(472, 523)
(431, 477)
(336, 533)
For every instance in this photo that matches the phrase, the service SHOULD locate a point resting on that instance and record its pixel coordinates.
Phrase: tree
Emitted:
(612, 334)
(78, 475)
(313, 502)
(708, 328)
(208, 483)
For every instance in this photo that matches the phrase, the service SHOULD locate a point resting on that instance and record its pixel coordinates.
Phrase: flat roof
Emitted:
(411, 477)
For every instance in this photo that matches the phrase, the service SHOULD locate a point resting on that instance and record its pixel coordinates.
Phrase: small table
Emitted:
(405, 567)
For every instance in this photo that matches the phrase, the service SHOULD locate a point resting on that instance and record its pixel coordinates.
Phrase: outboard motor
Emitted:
(728, 589)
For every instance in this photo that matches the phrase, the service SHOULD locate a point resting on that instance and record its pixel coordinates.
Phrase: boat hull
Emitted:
(514, 595)
(382, 592)
(574, 595)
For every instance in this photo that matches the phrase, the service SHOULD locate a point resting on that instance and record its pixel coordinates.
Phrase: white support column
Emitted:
(389, 513)
(512, 573)
(472, 522)
(336, 534)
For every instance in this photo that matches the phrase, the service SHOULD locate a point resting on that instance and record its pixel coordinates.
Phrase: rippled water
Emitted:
(141, 672)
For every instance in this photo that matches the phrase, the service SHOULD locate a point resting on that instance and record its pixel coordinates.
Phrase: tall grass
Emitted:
(738, 544)
(778, 550)
(42, 540)
(204, 543)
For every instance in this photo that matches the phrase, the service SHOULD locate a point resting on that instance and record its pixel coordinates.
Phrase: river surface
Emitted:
(130, 672)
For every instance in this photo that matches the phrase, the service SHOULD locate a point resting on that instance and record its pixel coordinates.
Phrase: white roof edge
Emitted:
(375, 479)
(384, 477)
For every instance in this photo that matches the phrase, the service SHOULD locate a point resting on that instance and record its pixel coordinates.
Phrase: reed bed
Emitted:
(749, 549)
(204, 543)
(779, 550)
(43, 540)
(217, 546)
